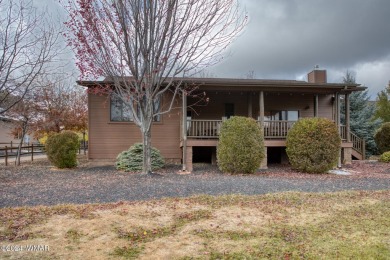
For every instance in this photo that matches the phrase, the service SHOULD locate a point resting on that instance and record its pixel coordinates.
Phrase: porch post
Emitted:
(184, 129)
(250, 114)
(316, 105)
(261, 112)
(263, 164)
(347, 150)
(347, 117)
(338, 124)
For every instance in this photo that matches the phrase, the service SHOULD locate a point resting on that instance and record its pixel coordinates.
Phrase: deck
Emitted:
(206, 133)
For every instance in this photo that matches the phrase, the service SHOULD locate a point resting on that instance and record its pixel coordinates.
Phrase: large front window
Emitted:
(284, 115)
(121, 112)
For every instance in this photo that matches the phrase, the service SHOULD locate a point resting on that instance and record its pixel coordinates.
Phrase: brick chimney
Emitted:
(317, 76)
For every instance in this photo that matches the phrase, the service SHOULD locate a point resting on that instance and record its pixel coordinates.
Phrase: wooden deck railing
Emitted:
(203, 128)
(211, 128)
(276, 129)
(343, 132)
(272, 130)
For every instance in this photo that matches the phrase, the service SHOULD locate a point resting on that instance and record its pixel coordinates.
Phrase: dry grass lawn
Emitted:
(353, 225)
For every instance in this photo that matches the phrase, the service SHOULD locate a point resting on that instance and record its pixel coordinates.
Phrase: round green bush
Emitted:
(241, 145)
(61, 149)
(131, 160)
(385, 157)
(382, 138)
(313, 145)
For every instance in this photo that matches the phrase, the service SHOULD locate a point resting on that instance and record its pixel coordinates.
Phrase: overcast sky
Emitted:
(285, 39)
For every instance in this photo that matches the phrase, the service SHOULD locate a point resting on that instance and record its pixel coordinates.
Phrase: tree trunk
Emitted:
(147, 147)
(18, 154)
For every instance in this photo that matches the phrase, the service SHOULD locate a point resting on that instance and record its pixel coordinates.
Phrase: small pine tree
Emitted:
(361, 116)
(131, 160)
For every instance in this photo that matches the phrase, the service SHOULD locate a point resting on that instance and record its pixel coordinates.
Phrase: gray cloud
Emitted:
(287, 38)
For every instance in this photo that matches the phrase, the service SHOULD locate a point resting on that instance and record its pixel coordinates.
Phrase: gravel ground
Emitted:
(39, 183)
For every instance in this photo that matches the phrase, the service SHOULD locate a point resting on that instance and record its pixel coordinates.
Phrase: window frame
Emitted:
(282, 113)
(156, 118)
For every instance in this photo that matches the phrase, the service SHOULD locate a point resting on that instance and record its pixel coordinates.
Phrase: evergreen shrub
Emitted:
(313, 145)
(385, 157)
(241, 145)
(382, 138)
(132, 159)
(61, 149)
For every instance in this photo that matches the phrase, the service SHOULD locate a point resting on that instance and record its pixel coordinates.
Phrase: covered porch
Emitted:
(275, 109)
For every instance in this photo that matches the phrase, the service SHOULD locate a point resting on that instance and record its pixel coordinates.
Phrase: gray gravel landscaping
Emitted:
(39, 183)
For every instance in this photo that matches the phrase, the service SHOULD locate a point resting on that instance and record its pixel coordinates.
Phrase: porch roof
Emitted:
(271, 85)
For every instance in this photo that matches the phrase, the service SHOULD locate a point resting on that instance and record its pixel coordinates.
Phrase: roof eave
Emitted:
(209, 83)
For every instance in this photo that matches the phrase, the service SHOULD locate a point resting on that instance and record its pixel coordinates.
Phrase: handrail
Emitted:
(358, 144)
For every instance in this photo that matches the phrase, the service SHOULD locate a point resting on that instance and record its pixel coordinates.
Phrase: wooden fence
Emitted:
(8, 152)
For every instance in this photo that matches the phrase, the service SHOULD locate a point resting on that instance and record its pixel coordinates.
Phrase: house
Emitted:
(6, 127)
(190, 134)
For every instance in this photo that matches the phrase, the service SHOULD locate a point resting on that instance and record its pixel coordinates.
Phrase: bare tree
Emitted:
(52, 106)
(27, 44)
(146, 46)
(24, 115)
(250, 74)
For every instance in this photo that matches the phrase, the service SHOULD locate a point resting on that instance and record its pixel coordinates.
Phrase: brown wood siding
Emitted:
(325, 106)
(107, 139)
(215, 109)
(304, 103)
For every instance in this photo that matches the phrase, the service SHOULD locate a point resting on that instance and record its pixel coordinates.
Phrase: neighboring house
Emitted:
(6, 137)
(7, 125)
(275, 104)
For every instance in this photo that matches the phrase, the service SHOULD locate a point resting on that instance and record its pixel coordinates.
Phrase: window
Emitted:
(120, 112)
(285, 115)
(156, 109)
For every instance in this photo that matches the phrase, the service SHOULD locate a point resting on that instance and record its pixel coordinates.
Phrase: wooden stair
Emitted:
(359, 147)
